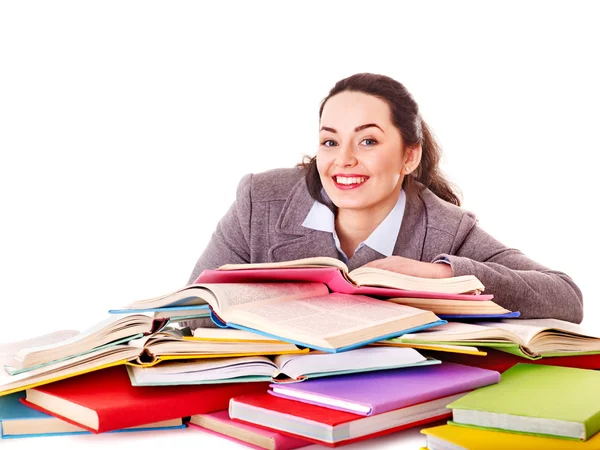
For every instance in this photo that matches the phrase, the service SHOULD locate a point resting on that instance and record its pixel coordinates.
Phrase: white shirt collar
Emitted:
(382, 239)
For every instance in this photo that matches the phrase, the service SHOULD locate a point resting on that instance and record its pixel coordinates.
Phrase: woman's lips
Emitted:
(349, 181)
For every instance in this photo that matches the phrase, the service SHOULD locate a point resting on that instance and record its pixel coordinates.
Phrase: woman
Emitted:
(374, 196)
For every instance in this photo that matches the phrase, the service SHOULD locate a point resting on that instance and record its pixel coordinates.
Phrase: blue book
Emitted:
(509, 315)
(19, 421)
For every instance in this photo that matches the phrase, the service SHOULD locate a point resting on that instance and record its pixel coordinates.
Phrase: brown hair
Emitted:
(410, 124)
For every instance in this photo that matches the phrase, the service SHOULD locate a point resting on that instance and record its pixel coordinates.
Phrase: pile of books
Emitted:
(305, 352)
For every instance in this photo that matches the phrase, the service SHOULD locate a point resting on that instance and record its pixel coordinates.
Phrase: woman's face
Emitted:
(360, 158)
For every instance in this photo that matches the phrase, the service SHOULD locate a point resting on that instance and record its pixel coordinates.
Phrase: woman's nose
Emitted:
(345, 157)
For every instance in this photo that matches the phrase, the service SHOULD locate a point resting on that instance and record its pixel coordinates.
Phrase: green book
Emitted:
(537, 399)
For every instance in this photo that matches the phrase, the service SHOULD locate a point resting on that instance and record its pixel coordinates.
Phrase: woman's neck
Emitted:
(354, 226)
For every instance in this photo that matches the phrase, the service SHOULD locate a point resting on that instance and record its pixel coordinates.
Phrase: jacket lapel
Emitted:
(299, 242)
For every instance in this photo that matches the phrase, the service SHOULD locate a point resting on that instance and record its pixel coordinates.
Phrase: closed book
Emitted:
(220, 424)
(327, 426)
(446, 437)
(538, 399)
(105, 400)
(20, 421)
(377, 392)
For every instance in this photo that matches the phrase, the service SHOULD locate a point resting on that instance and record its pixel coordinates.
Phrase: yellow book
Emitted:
(229, 335)
(467, 438)
(395, 342)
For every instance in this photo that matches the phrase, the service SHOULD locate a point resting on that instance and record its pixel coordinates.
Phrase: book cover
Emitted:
(536, 398)
(105, 400)
(221, 425)
(20, 421)
(376, 392)
(331, 276)
(325, 426)
(476, 439)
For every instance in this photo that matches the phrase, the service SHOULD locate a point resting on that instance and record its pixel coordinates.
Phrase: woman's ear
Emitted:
(412, 158)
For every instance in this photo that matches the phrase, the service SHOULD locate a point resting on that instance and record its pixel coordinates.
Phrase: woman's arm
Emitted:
(517, 282)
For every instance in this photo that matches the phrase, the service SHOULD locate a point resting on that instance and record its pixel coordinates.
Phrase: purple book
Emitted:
(378, 392)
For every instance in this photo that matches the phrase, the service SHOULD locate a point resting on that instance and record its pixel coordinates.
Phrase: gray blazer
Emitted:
(264, 224)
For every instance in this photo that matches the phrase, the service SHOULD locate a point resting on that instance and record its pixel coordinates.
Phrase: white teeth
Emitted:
(350, 180)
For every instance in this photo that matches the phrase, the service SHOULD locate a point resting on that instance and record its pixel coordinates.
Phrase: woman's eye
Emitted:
(373, 141)
(325, 143)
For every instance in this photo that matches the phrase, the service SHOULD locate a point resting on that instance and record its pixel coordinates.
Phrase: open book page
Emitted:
(316, 319)
(529, 330)
(319, 261)
(296, 366)
(63, 369)
(232, 295)
(9, 350)
(113, 328)
(170, 342)
(445, 306)
(190, 295)
(198, 370)
(371, 276)
(458, 331)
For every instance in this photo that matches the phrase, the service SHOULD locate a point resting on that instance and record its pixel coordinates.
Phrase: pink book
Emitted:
(219, 424)
(331, 276)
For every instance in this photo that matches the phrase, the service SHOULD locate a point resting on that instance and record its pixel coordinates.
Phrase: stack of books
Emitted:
(533, 406)
(307, 352)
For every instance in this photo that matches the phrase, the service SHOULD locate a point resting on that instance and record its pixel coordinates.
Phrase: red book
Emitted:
(331, 427)
(105, 400)
(501, 361)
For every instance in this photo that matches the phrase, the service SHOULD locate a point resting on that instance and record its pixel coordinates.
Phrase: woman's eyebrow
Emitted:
(356, 130)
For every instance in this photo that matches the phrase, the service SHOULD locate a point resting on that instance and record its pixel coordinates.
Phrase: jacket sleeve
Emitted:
(517, 282)
(229, 243)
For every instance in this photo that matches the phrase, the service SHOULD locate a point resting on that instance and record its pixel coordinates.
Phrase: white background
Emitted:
(125, 127)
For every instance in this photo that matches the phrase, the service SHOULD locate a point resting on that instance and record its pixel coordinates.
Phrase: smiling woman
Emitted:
(374, 195)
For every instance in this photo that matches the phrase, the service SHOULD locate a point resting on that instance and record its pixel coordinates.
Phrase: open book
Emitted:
(302, 313)
(334, 273)
(530, 338)
(455, 309)
(167, 344)
(282, 368)
(113, 330)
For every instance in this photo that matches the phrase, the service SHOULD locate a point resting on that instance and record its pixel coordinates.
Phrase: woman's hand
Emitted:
(412, 267)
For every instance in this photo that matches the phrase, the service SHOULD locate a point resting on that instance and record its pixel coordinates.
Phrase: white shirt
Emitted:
(382, 239)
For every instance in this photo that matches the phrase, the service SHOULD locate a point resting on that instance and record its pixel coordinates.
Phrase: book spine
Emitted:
(592, 425)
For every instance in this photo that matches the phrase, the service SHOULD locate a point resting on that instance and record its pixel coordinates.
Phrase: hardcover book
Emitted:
(251, 436)
(444, 437)
(331, 427)
(20, 421)
(105, 400)
(534, 398)
(377, 392)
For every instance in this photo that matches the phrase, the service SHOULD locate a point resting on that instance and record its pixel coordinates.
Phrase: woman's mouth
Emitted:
(346, 182)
